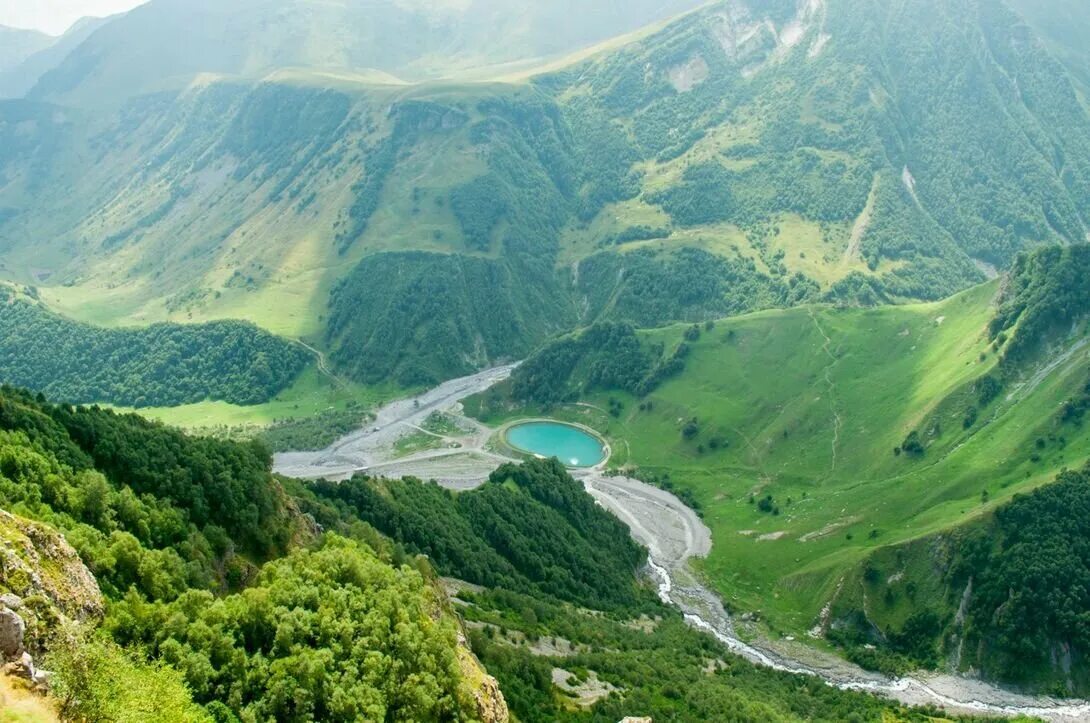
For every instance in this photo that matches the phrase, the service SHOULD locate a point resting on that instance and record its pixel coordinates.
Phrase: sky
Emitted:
(56, 16)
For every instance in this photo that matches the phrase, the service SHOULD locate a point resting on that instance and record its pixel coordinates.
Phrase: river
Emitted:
(673, 535)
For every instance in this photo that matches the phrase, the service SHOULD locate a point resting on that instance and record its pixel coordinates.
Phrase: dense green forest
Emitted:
(187, 538)
(1047, 291)
(464, 312)
(530, 529)
(332, 634)
(649, 289)
(1010, 598)
(161, 365)
(605, 356)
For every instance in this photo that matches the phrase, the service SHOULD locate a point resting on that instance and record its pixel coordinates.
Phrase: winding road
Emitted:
(372, 446)
(672, 532)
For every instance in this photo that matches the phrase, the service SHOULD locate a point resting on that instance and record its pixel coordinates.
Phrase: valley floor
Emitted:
(674, 534)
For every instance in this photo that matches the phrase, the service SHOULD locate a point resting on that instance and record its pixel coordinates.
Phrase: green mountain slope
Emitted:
(1003, 596)
(813, 437)
(161, 365)
(737, 158)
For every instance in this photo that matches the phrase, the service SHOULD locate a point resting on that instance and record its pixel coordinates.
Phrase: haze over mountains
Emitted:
(166, 43)
(16, 45)
(17, 78)
(844, 149)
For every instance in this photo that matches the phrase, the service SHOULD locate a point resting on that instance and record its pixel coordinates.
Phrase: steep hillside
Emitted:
(197, 532)
(811, 438)
(16, 45)
(529, 529)
(1004, 596)
(1063, 25)
(18, 78)
(741, 157)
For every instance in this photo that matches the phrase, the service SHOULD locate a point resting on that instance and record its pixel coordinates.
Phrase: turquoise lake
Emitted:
(569, 444)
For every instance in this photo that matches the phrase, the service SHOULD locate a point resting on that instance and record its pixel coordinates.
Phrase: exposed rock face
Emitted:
(42, 582)
(12, 630)
(491, 705)
(687, 76)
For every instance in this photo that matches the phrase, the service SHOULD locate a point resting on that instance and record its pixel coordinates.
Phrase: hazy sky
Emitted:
(55, 16)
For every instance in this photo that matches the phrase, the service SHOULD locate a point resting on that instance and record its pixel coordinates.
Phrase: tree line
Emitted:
(160, 365)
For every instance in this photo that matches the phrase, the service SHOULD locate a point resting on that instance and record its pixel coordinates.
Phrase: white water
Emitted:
(673, 534)
(908, 689)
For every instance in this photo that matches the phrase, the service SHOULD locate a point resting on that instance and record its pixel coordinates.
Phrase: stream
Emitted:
(703, 611)
(673, 535)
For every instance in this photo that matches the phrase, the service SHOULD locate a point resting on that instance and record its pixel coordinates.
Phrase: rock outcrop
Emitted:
(12, 632)
(491, 705)
(43, 583)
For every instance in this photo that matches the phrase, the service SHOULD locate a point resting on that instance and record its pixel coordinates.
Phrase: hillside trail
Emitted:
(322, 365)
(834, 404)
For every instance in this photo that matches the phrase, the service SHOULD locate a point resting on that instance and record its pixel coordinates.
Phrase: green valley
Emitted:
(223, 586)
(297, 298)
(815, 438)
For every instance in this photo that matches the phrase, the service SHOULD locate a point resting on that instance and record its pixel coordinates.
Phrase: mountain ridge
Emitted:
(809, 146)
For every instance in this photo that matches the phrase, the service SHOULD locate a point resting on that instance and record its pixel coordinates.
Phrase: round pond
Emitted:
(570, 444)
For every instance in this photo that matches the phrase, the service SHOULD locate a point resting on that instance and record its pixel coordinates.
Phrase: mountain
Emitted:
(166, 577)
(17, 79)
(16, 45)
(1063, 26)
(391, 40)
(859, 467)
(739, 157)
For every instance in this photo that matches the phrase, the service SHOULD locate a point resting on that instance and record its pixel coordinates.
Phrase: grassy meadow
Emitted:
(799, 413)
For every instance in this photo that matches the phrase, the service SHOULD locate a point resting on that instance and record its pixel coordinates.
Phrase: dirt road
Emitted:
(373, 444)
(672, 532)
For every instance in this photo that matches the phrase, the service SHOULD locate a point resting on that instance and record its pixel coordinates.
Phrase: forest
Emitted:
(207, 566)
(606, 356)
(159, 365)
(531, 528)
(233, 595)
(1048, 290)
(1031, 576)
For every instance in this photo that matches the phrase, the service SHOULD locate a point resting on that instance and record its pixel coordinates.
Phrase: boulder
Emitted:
(43, 581)
(12, 630)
